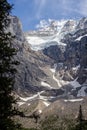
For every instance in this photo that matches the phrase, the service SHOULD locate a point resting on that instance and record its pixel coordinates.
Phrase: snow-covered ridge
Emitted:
(49, 33)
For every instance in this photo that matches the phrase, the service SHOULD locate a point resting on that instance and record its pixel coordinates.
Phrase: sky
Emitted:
(31, 12)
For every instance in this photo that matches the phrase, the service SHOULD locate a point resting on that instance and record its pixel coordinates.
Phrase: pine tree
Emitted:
(7, 69)
(80, 117)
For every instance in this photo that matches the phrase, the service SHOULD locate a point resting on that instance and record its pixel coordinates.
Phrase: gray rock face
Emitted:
(82, 24)
(16, 28)
(55, 53)
(75, 54)
(29, 73)
(57, 69)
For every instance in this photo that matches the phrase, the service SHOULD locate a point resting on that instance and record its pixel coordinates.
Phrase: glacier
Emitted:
(49, 34)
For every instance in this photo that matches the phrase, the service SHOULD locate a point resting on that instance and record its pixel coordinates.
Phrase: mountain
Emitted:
(51, 78)
(53, 59)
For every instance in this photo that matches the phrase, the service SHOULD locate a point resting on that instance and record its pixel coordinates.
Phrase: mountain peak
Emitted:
(49, 33)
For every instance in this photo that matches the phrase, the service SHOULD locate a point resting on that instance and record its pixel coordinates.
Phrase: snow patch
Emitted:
(59, 81)
(43, 98)
(46, 103)
(31, 98)
(76, 68)
(20, 103)
(40, 111)
(45, 84)
(79, 38)
(46, 98)
(52, 70)
(74, 100)
(28, 98)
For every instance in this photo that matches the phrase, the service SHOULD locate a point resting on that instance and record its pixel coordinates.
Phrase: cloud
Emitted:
(83, 7)
(43, 23)
(46, 7)
(74, 7)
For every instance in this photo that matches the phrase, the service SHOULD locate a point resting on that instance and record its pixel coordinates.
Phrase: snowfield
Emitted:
(38, 43)
(47, 35)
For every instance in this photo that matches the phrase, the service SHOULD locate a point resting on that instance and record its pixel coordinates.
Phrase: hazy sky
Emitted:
(31, 12)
